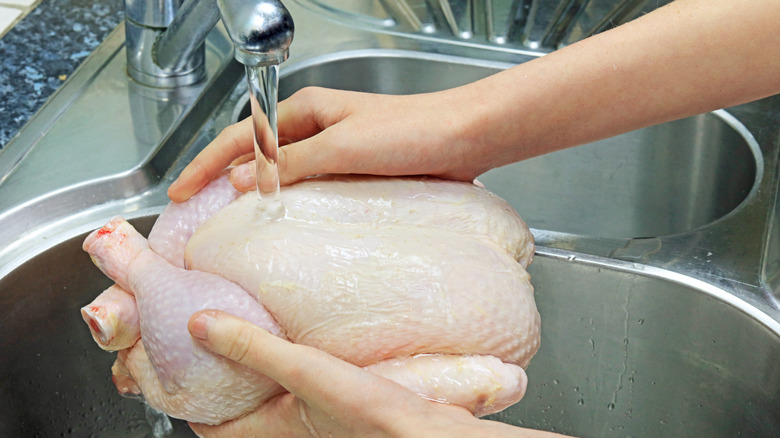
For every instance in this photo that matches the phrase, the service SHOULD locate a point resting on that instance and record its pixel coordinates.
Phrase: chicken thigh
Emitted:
(419, 280)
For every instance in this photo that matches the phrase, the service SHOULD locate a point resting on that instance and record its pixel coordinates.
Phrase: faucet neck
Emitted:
(164, 40)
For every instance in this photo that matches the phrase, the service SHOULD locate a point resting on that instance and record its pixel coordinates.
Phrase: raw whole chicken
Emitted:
(419, 280)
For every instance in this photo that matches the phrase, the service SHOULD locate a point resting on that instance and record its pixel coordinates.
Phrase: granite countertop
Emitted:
(43, 50)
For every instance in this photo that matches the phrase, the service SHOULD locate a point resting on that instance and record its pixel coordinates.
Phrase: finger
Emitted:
(243, 177)
(243, 159)
(233, 142)
(304, 371)
(298, 117)
(296, 161)
(332, 152)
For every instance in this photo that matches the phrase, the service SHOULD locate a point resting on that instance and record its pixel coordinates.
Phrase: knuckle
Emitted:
(309, 97)
(240, 348)
(233, 129)
(197, 171)
(235, 139)
(296, 371)
(308, 92)
(282, 161)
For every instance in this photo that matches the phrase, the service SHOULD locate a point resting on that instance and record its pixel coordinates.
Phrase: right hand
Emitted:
(327, 396)
(332, 131)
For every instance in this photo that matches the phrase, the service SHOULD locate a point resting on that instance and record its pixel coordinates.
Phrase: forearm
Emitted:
(689, 57)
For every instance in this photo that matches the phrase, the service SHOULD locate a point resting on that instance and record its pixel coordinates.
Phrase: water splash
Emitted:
(159, 421)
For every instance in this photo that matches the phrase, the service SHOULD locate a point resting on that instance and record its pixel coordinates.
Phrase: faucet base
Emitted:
(142, 68)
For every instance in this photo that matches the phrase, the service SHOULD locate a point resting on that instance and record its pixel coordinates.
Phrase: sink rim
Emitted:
(762, 316)
(758, 156)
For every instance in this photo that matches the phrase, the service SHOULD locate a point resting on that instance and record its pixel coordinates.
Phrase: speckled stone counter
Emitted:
(43, 50)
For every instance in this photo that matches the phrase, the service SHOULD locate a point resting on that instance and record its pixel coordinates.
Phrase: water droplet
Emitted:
(611, 406)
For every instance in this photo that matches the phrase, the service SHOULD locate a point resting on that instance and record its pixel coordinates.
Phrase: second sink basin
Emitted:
(656, 181)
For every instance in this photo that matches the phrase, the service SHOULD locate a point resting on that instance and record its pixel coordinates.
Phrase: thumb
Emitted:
(232, 337)
(304, 371)
(250, 345)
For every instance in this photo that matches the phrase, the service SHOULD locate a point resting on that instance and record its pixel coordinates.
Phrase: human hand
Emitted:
(327, 396)
(579, 94)
(332, 131)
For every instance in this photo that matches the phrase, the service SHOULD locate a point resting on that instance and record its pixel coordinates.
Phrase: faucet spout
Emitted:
(165, 38)
(262, 31)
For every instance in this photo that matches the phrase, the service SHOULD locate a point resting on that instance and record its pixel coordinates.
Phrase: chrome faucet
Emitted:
(165, 38)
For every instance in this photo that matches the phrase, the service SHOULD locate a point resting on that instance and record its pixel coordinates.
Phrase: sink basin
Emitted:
(632, 351)
(625, 351)
(657, 181)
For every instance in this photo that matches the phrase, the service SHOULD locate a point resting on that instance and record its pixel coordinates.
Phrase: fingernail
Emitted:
(199, 326)
(178, 179)
(174, 188)
(243, 176)
(174, 185)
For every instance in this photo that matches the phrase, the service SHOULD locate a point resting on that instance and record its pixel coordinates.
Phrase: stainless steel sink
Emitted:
(657, 272)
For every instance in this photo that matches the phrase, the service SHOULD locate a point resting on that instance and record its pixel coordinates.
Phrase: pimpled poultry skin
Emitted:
(419, 280)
